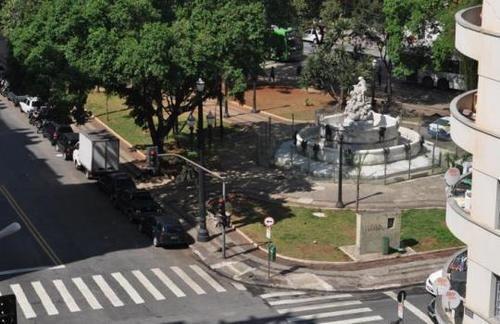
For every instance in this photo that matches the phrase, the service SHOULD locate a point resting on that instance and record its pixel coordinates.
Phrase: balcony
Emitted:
(468, 34)
(463, 117)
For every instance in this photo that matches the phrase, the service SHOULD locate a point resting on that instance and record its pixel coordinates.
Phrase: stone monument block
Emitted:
(371, 228)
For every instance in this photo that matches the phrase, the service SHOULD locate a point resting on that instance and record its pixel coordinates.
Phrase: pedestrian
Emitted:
(272, 75)
(299, 70)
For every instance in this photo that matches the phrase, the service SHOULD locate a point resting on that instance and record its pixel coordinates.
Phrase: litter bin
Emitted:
(385, 245)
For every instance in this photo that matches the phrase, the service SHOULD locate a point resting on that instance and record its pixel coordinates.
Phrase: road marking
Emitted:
(108, 292)
(16, 271)
(238, 286)
(68, 299)
(357, 320)
(23, 301)
(421, 315)
(190, 282)
(134, 295)
(44, 298)
(318, 306)
(331, 314)
(29, 225)
(306, 300)
(205, 276)
(87, 294)
(148, 285)
(168, 282)
(282, 294)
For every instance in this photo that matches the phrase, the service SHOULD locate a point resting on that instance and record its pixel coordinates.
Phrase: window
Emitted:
(497, 297)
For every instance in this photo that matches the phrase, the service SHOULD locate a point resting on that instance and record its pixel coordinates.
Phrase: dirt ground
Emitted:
(284, 100)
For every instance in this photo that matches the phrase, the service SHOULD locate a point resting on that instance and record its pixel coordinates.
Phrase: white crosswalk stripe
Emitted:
(44, 298)
(86, 293)
(148, 285)
(190, 282)
(117, 289)
(298, 306)
(205, 276)
(107, 291)
(134, 295)
(168, 282)
(66, 296)
(239, 286)
(306, 300)
(23, 301)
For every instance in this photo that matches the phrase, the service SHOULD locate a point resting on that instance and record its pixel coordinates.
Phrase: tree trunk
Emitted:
(254, 106)
(226, 107)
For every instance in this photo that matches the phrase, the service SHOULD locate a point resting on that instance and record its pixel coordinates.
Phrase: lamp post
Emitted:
(191, 121)
(210, 123)
(202, 221)
(374, 66)
(340, 142)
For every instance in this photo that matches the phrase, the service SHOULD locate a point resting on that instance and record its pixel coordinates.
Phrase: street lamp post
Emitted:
(210, 123)
(202, 230)
(340, 142)
(191, 121)
(374, 66)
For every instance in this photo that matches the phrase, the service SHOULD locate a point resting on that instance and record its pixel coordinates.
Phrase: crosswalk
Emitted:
(302, 307)
(117, 289)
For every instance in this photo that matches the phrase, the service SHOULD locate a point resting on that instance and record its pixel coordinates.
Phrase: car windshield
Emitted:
(443, 122)
(65, 129)
(173, 228)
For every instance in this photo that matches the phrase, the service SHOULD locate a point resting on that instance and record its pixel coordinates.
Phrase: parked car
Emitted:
(459, 263)
(115, 182)
(30, 104)
(98, 153)
(66, 144)
(48, 128)
(429, 283)
(136, 204)
(440, 128)
(310, 35)
(163, 230)
(59, 131)
(15, 99)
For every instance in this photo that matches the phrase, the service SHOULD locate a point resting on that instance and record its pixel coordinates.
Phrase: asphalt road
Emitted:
(77, 260)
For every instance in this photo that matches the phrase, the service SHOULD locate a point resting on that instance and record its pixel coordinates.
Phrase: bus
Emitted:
(286, 44)
(448, 78)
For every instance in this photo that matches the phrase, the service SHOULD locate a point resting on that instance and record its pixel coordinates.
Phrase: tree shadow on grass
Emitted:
(409, 242)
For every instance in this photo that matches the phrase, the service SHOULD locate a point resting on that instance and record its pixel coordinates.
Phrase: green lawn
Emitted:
(297, 233)
(117, 118)
(425, 230)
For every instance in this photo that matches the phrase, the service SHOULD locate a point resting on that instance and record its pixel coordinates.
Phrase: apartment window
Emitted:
(497, 297)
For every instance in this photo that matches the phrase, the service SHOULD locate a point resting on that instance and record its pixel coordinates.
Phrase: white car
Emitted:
(429, 283)
(30, 104)
(309, 36)
(440, 128)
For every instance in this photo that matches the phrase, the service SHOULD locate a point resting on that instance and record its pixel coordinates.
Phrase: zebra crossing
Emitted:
(118, 289)
(301, 307)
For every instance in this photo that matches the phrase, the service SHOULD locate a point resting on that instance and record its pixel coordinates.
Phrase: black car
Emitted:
(136, 204)
(115, 182)
(48, 128)
(163, 230)
(58, 131)
(66, 144)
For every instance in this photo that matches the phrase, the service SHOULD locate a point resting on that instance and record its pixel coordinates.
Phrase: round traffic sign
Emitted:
(451, 299)
(452, 176)
(269, 221)
(441, 285)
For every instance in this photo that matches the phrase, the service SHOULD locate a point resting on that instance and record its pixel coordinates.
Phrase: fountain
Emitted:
(374, 141)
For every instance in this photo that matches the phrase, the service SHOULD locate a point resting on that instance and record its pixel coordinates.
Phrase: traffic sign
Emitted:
(451, 299)
(452, 176)
(269, 221)
(441, 285)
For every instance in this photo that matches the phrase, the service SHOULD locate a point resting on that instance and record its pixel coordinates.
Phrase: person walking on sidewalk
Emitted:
(272, 75)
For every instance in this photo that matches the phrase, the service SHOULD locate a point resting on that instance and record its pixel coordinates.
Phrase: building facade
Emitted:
(475, 126)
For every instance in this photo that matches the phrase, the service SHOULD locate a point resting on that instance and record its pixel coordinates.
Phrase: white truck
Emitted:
(30, 104)
(97, 152)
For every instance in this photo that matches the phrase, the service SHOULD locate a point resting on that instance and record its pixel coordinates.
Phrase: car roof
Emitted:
(167, 220)
(118, 175)
(71, 136)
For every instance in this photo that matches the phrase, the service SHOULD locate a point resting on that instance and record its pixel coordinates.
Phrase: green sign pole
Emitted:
(271, 256)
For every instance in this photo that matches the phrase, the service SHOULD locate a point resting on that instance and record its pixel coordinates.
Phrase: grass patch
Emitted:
(297, 233)
(425, 230)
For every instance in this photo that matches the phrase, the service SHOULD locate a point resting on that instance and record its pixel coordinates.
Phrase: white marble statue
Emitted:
(357, 108)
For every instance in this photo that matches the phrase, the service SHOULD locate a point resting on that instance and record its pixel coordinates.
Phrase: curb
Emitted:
(247, 107)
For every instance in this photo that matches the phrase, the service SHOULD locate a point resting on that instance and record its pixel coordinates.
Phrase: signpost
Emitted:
(401, 305)
(271, 248)
(451, 299)
(441, 285)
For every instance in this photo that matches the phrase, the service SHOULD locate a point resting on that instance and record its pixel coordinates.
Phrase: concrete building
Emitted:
(475, 126)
